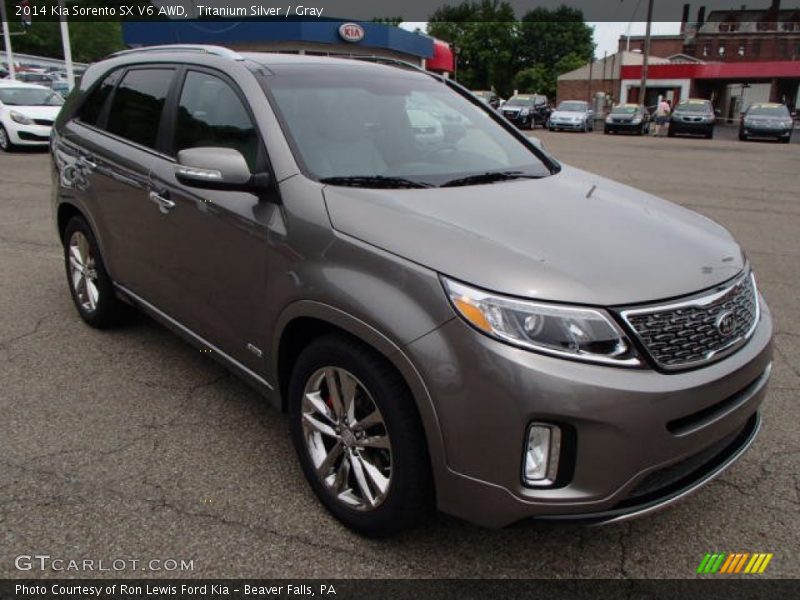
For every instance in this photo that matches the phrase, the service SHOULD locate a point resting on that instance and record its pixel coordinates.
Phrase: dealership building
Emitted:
(326, 37)
(731, 57)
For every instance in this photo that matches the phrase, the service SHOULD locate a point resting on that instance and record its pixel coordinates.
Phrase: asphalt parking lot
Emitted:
(133, 445)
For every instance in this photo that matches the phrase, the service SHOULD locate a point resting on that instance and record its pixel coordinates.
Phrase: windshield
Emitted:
(624, 110)
(572, 107)
(521, 100)
(778, 110)
(30, 97)
(694, 106)
(348, 124)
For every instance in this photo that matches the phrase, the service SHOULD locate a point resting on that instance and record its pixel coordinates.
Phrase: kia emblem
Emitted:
(726, 323)
(351, 32)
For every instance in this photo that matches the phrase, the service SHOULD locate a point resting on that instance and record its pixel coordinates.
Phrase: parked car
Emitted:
(437, 322)
(60, 86)
(767, 120)
(693, 116)
(34, 77)
(629, 118)
(527, 110)
(575, 115)
(27, 113)
(489, 97)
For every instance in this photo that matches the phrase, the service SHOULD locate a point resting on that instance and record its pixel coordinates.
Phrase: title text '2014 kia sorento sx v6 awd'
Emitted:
(463, 323)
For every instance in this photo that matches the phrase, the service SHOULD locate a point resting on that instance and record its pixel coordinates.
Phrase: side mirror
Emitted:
(217, 169)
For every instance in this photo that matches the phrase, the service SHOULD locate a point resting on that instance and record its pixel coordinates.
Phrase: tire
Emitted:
(742, 137)
(5, 142)
(670, 132)
(786, 140)
(408, 495)
(93, 295)
(710, 134)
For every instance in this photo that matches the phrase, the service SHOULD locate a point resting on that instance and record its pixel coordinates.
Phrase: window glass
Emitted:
(211, 114)
(93, 106)
(136, 109)
(352, 122)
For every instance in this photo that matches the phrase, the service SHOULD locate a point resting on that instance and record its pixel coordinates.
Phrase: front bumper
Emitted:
(574, 125)
(29, 135)
(625, 126)
(628, 425)
(767, 132)
(519, 120)
(691, 127)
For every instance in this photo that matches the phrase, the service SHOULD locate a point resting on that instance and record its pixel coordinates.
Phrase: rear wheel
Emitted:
(358, 436)
(742, 137)
(5, 141)
(89, 284)
(710, 134)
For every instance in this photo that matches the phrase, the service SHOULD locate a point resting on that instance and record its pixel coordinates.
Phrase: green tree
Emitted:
(548, 36)
(484, 35)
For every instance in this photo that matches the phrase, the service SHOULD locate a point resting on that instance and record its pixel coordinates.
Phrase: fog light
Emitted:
(541, 454)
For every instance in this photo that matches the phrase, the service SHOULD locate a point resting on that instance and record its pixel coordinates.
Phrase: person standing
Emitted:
(662, 117)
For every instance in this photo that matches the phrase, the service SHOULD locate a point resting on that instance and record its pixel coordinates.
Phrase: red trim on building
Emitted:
(442, 59)
(739, 70)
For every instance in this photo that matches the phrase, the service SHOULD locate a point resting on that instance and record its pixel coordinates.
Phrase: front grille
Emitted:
(698, 330)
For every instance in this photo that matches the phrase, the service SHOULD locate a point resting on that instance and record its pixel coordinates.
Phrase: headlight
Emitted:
(609, 119)
(20, 118)
(787, 123)
(524, 111)
(636, 120)
(568, 331)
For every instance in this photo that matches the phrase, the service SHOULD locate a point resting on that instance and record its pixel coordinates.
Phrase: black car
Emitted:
(527, 110)
(489, 97)
(693, 116)
(630, 118)
(767, 120)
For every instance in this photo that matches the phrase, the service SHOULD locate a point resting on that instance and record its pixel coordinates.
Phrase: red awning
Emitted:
(442, 59)
(737, 70)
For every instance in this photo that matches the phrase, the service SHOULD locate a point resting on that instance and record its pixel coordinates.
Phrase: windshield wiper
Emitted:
(489, 177)
(374, 181)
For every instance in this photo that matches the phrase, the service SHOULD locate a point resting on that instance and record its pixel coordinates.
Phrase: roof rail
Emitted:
(216, 50)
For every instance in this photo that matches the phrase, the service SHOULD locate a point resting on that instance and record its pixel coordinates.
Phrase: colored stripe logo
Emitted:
(733, 563)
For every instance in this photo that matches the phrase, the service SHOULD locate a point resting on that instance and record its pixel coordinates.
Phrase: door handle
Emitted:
(164, 204)
(87, 162)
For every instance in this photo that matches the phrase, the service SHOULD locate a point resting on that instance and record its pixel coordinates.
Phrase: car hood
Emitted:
(36, 112)
(767, 118)
(690, 113)
(567, 114)
(572, 237)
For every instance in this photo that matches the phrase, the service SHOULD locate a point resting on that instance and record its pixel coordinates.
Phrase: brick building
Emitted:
(732, 57)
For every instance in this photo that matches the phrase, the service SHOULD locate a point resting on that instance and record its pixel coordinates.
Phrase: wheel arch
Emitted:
(305, 320)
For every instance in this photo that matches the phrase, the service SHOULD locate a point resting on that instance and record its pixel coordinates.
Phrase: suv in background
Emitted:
(489, 97)
(693, 116)
(767, 120)
(527, 110)
(439, 326)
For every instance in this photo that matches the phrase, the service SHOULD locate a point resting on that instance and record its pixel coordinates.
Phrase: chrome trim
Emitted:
(700, 301)
(197, 338)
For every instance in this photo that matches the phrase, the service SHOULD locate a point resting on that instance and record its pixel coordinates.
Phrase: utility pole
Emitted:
(7, 38)
(67, 46)
(646, 53)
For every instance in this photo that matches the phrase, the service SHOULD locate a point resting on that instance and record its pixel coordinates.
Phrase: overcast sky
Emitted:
(606, 34)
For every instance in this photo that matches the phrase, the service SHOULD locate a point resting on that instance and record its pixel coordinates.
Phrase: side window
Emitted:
(93, 106)
(211, 114)
(138, 103)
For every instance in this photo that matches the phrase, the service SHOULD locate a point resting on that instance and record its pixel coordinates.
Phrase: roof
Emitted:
(612, 63)
(250, 32)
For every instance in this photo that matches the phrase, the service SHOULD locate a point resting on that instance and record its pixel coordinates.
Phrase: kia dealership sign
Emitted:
(351, 32)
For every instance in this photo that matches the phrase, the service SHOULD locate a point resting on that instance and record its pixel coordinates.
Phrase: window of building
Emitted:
(92, 108)
(756, 48)
(721, 50)
(136, 110)
(742, 49)
(706, 49)
(211, 114)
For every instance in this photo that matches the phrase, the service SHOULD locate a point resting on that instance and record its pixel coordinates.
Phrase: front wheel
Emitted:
(5, 141)
(359, 438)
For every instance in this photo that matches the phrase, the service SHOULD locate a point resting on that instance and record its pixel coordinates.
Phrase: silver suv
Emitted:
(449, 316)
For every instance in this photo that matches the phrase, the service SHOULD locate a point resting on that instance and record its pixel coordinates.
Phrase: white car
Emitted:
(27, 112)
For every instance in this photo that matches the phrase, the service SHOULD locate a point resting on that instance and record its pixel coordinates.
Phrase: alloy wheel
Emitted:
(83, 272)
(3, 139)
(346, 438)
